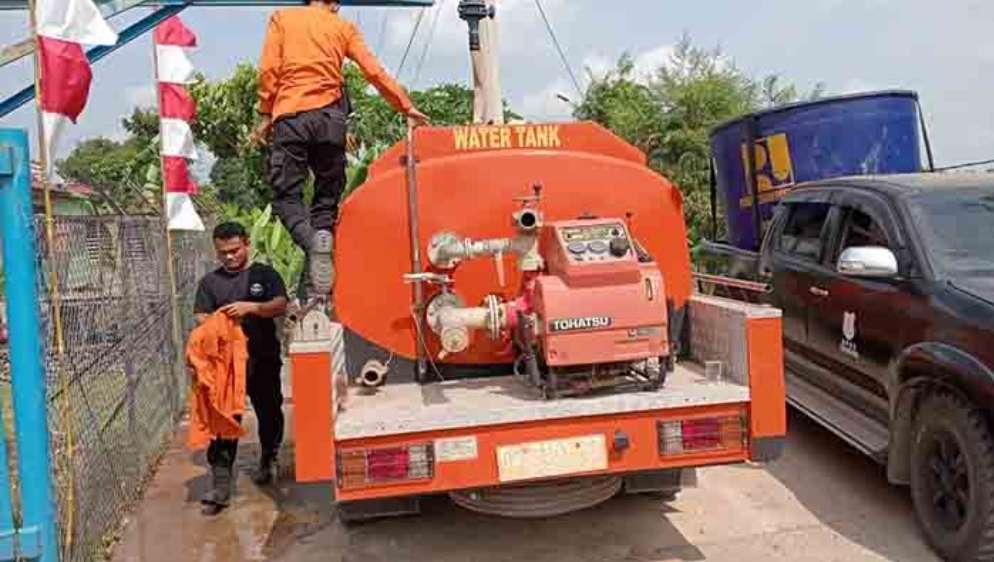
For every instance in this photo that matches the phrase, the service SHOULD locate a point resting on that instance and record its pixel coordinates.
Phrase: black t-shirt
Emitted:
(257, 283)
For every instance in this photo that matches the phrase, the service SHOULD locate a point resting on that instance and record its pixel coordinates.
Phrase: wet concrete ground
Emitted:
(821, 501)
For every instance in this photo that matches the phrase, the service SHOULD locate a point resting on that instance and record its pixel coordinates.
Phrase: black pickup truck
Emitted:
(887, 289)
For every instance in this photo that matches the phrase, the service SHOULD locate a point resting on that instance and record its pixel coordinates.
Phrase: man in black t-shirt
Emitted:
(255, 294)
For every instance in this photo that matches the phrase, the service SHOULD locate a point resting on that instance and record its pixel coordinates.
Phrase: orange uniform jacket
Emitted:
(301, 64)
(218, 352)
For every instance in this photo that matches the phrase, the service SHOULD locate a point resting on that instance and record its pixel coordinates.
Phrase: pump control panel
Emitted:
(590, 251)
(595, 242)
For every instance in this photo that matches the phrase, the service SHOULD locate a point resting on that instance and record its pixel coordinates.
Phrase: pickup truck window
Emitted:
(956, 228)
(862, 230)
(801, 235)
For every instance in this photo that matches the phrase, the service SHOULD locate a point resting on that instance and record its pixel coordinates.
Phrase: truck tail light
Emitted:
(365, 467)
(677, 437)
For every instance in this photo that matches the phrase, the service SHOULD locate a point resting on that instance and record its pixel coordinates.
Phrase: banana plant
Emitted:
(271, 244)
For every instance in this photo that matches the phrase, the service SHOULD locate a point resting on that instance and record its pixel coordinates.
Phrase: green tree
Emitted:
(117, 170)
(669, 115)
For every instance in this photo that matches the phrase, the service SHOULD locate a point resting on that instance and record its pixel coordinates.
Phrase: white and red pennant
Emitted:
(177, 111)
(62, 28)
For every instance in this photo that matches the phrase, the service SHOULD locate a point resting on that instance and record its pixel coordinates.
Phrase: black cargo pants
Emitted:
(265, 391)
(309, 141)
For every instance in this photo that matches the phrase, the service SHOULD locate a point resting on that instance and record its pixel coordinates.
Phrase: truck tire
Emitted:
(952, 478)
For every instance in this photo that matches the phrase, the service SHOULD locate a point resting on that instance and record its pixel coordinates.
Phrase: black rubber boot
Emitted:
(263, 475)
(219, 496)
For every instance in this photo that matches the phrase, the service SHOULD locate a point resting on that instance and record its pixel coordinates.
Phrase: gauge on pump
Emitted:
(577, 248)
(597, 246)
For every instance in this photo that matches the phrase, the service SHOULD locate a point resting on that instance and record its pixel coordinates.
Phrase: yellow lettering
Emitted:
(542, 137)
(521, 135)
(494, 137)
(461, 134)
(554, 136)
(474, 139)
(530, 140)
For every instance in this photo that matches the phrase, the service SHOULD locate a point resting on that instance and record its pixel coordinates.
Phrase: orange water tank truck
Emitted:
(517, 328)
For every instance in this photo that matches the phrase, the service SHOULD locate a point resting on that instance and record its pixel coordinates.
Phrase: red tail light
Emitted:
(364, 467)
(387, 464)
(677, 437)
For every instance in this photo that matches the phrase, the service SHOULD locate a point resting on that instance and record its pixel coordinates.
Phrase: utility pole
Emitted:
(488, 105)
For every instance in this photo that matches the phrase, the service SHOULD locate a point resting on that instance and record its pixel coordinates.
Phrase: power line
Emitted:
(559, 48)
(428, 43)
(410, 42)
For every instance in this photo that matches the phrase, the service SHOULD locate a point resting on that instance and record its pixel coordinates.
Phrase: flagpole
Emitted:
(69, 507)
(43, 159)
(170, 265)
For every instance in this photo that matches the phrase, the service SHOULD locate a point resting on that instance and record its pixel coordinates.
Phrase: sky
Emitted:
(944, 51)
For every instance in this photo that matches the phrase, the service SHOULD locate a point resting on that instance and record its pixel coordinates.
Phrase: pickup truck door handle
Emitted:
(818, 291)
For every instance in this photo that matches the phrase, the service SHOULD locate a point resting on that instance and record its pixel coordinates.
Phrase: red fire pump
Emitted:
(591, 312)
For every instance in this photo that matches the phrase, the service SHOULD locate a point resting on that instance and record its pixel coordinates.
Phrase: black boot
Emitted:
(219, 496)
(263, 474)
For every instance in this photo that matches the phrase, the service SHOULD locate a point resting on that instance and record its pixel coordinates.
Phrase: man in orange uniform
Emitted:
(304, 109)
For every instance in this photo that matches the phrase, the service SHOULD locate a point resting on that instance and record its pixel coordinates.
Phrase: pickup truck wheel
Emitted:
(952, 478)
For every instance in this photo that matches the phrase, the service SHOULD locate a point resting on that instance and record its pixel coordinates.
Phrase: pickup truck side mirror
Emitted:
(868, 261)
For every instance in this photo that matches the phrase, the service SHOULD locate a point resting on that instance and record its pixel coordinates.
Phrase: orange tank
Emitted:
(468, 180)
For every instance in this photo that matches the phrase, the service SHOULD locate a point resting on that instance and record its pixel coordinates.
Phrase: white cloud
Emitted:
(858, 85)
(597, 64)
(520, 26)
(141, 96)
(546, 105)
(646, 63)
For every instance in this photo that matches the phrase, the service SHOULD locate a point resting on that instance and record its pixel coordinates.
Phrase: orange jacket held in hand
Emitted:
(301, 64)
(218, 352)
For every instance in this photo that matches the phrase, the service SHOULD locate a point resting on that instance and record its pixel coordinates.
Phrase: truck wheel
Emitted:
(952, 478)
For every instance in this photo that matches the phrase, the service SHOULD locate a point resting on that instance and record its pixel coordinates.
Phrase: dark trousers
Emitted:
(310, 141)
(266, 394)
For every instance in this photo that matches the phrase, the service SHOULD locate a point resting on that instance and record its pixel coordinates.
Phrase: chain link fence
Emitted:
(115, 387)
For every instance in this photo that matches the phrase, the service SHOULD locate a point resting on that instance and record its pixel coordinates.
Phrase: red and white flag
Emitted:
(177, 111)
(63, 27)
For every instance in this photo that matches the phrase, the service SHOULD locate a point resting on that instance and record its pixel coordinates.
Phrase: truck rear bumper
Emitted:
(526, 452)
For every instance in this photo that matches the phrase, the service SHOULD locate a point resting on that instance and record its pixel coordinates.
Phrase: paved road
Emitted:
(822, 501)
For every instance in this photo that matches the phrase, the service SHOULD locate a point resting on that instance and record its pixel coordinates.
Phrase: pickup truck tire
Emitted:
(952, 478)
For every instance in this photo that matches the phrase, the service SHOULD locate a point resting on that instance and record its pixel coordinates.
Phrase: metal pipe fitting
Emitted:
(528, 220)
(472, 11)
(446, 250)
(453, 322)
(373, 374)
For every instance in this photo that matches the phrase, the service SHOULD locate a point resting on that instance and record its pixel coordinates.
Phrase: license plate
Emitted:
(556, 457)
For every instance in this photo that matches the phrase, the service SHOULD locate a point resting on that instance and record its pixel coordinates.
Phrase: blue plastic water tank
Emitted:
(872, 133)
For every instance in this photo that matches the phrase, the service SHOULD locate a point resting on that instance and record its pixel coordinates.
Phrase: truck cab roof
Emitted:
(902, 185)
